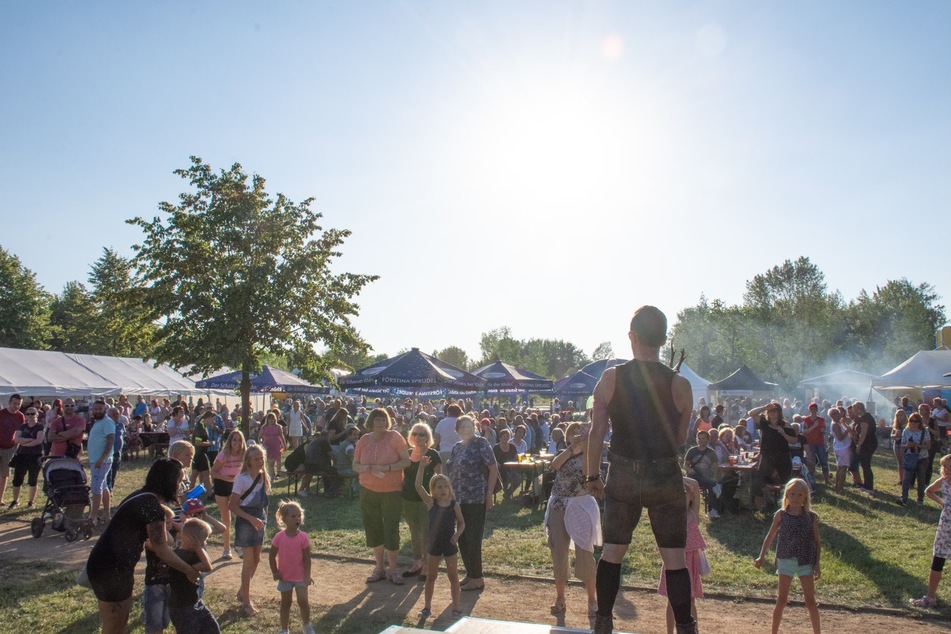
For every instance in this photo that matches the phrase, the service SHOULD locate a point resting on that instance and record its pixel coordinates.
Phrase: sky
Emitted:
(544, 166)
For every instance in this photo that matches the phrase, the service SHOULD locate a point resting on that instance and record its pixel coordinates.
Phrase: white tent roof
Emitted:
(47, 373)
(697, 383)
(926, 369)
(135, 376)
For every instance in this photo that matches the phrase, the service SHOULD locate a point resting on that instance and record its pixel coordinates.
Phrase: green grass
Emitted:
(875, 553)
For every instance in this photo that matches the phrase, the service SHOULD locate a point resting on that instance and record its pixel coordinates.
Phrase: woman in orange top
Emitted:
(380, 457)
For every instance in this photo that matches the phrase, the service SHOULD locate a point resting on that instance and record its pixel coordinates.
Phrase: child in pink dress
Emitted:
(272, 437)
(692, 551)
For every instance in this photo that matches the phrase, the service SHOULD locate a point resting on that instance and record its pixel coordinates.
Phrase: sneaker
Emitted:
(717, 490)
(308, 629)
(284, 632)
(713, 514)
(901, 502)
(303, 493)
(13, 504)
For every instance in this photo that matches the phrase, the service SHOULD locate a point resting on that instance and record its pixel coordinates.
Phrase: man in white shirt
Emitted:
(445, 433)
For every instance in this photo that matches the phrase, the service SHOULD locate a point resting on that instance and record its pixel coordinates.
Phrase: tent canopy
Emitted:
(926, 369)
(578, 384)
(48, 373)
(269, 380)
(413, 373)
(502, 377)
(699, 385)
(597, 368)
(742, 379)
(135, 376)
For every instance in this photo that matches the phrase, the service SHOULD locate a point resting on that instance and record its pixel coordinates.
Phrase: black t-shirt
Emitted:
(200, 433)
(409, 476)
(156, 570)
(871, 440)
(183, 593)
(501, 457)
(121, 544)
(31, 432)
(773, 444)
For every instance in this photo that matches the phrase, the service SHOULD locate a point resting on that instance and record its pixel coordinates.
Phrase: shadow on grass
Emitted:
(880, 502)
(356, 616)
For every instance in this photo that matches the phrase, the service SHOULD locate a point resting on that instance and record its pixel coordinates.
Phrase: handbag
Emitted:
(704, 564)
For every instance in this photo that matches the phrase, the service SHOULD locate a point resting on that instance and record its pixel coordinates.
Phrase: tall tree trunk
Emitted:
(246, 401)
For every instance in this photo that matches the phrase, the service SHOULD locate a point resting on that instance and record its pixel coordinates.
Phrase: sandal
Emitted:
(457, 614)
(558, 608)
(412, 573)
(396, 580)
(425, 613)
(378, 574)
(925, 602)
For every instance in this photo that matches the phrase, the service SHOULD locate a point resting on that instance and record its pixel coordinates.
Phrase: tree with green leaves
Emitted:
(75, 320)
(896, 321)
(24, 306)
(604, 351)
(453, 355)
(230, 273)
(124, 327)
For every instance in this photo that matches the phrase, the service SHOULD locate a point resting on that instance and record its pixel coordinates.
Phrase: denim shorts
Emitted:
(791, 568)
(97, 480)
(155, 615)
(287, 586)
(633, 485)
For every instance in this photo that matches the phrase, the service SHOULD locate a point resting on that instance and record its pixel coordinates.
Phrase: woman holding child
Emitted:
(414, 509)
(112, 561)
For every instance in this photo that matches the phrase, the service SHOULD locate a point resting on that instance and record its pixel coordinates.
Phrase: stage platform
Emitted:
(470, 625)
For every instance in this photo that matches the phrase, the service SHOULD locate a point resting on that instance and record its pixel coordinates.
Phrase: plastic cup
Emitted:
(197, 492)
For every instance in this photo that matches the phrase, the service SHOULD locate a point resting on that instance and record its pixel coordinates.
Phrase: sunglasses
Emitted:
(31, 413)
(420, 433)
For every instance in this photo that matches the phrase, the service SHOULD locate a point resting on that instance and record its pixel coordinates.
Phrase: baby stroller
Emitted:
(67, 497)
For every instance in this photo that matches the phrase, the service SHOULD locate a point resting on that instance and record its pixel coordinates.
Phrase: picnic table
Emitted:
(745, 470)
(156, 442)
(531, 467)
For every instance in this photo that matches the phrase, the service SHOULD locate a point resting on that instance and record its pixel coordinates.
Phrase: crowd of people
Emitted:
(439, 466)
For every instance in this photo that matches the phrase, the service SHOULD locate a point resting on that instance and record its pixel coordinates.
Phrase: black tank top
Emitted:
(643, 416)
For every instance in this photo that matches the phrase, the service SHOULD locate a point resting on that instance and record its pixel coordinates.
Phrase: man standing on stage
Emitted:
(649, 406)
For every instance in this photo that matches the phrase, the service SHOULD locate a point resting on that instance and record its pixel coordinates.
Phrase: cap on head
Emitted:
(650, 326)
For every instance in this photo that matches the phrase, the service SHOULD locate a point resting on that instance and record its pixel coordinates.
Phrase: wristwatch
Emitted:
(592, 478)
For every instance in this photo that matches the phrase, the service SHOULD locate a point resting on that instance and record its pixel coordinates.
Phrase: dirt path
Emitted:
(521, 599)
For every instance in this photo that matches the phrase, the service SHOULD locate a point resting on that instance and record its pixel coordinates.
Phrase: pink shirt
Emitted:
(388, 451)
(58, 448)
(290, 555)
(228, 466)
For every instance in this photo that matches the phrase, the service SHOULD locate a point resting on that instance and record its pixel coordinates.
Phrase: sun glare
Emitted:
(564, 142)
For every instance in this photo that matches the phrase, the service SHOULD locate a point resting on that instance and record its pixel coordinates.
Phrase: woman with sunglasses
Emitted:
(415, 511)
(29, 443)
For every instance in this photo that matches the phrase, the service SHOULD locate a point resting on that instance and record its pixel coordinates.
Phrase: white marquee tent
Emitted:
(697, 383)
(47, 373)
(925, 370)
